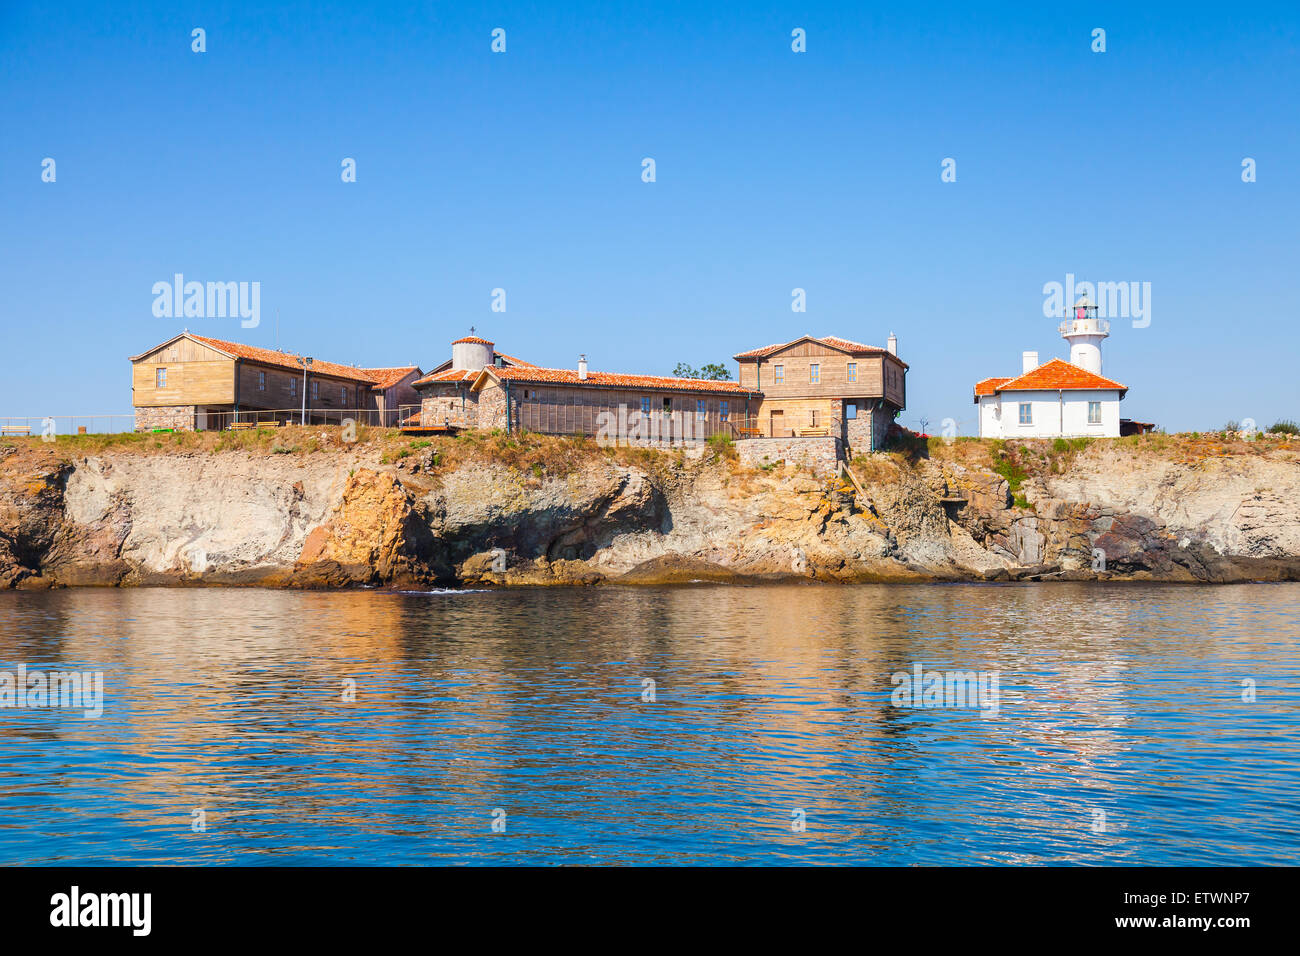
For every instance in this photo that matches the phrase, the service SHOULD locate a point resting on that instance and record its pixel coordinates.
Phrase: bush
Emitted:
(1284, 427)
(723, 446)
(1011, 470)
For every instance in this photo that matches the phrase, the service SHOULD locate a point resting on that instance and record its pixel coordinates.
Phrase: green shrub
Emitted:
(1284, 427)
(723, 446)
(1011, 470)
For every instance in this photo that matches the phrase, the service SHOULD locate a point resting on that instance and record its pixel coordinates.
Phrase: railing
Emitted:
(52, 426)
(1085, 326)
(768, 427)
(278, 417)
(55, 425)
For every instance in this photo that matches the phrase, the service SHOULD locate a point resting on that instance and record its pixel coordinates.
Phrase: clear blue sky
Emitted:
(775, 170)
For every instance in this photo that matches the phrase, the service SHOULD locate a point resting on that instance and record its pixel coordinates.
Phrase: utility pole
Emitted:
(306, 364)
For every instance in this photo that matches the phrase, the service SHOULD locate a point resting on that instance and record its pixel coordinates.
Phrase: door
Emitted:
(777, 427)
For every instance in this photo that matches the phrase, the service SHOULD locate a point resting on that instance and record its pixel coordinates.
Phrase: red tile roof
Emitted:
(1057, 374)
(844, 345)
(472, 338)
(285, 359)
(987, 386)
(450, 375)
(388, 377)
(568, 376)
(515, 361)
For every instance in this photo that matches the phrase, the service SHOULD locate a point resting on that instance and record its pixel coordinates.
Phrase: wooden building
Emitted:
(827, 386)
(480, 388)
(393, 391)
(193, 382)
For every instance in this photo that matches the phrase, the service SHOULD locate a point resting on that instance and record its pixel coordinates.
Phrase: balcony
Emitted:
(1085, 327)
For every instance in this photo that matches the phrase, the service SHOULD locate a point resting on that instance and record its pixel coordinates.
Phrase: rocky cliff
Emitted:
(502, 511)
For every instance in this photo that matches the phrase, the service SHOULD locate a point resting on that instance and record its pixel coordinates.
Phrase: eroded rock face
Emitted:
(342, 519)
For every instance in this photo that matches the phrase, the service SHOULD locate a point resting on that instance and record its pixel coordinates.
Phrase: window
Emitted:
(160, 378)
(724, 410)
(700, 413)
(778, 374)
(1094, 413)
(293, 386)
(814, 373)
(344, 392)
(261, 381)
(812, 417)
(645, 405)
(668, 405)
(315, 390)
(1026, 413)
(853, 371)
(850, 411)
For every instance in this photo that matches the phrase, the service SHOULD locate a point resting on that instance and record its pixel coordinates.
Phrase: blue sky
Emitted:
(775, 170)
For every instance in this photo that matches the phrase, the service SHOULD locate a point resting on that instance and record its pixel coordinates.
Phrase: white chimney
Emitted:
(892, 344)
(1028, 362)
(582, 368)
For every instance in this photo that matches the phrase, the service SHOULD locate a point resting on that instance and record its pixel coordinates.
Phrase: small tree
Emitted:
(714, 372)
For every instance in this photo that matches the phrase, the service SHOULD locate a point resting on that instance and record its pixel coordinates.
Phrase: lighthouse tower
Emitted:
(1084, 331)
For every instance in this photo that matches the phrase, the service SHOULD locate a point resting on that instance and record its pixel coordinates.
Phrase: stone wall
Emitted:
(881, 419)
(177, 417)
(859, 433)
(821, 455)
(438, 409)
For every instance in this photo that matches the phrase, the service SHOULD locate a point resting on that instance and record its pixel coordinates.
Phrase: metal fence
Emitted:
(278, 417)
(54, 425)
(14, 426)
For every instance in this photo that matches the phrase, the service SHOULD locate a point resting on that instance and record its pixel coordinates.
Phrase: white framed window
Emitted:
(1026, 413)
(645, 405)
(778, 374)
(850, 411)
(700, 413)
(1094, 413)
(724, 410)
(345, 396)
(261, 381)
(293, 386)
(853, 371)
(160, 378)
(814, 373)
(315, 389)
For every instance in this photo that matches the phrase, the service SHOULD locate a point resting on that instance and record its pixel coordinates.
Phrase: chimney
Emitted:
(892, 344)
(1028, 362)
(582, 368)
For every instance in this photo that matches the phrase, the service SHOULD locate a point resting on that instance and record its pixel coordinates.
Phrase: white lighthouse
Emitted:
(1084, 331)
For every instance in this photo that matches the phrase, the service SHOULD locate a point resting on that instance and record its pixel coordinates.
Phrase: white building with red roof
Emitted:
(1057, 399)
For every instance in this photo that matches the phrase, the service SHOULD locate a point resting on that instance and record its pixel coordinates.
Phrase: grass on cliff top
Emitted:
(557, 456)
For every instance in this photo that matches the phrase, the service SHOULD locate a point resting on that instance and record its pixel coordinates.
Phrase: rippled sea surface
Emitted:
(1121, 735)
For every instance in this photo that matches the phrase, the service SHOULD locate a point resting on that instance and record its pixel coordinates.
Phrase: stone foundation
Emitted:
(177, 417)
(821, 455)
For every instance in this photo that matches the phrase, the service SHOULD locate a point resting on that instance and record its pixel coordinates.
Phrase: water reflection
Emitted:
(1124, 700)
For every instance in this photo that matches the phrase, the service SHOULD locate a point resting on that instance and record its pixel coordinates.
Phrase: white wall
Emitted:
(1054, 414)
